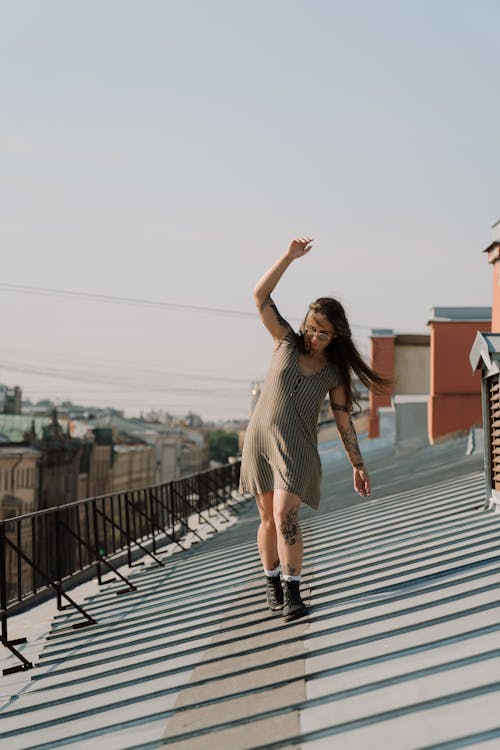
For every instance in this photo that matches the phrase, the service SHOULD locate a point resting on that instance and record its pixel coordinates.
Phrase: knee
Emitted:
(266, 515)
(267, 520)
(265, 508)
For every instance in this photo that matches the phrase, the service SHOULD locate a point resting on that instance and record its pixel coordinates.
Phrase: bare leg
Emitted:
(266, 536)
(280, 540)
(289, 536)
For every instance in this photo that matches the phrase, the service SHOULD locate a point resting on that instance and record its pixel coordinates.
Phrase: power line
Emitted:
(116, 300)
(85, 368)
(132, 301)
(124, 385)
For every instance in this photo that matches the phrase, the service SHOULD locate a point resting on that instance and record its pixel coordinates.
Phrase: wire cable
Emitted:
(142, 302)
(121, 383)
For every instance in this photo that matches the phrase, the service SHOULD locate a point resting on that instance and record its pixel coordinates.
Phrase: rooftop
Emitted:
(485, 352)
(464, 314)
(402, 338)
(13, 427)
(401, 648)
(17, 450)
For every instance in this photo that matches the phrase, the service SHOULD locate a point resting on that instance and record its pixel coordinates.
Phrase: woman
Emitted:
(280, 461)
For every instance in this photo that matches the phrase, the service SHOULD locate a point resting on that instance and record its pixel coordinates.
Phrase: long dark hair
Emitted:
(342, 351)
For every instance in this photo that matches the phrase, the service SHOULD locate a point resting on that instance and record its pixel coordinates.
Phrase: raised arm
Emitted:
(275, 324)
(348, 435)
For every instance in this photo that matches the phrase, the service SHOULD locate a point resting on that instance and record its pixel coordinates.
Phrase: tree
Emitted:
(221, 445)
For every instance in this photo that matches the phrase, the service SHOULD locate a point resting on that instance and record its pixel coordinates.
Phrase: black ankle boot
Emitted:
(274, 593)
(293, 606)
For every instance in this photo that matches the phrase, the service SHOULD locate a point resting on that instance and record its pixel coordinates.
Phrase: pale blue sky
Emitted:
(170, 151)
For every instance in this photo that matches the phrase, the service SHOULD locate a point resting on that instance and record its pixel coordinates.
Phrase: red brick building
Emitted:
(455, 394)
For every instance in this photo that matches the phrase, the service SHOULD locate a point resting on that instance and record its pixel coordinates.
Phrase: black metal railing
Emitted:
(41, 551)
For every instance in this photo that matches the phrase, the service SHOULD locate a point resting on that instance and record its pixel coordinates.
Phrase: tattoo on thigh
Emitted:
(290, 527)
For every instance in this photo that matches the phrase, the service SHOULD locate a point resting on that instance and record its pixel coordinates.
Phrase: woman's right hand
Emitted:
(299, 247)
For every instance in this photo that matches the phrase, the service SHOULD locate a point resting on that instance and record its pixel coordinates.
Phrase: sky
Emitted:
(169, 151)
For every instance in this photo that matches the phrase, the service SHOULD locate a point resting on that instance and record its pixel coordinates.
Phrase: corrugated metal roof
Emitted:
(400, 650)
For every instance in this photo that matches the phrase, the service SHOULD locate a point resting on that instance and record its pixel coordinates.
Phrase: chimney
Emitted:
(382, 359)
(494, 258)
(455, 398)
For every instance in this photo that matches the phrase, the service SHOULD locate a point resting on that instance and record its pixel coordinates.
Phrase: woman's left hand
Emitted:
(299, 247)
(361, 481)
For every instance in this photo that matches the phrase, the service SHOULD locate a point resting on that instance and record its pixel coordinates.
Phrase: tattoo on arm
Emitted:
(339, 407)
(269, 302)
(264, 304)
(279, 317)
(351, 445)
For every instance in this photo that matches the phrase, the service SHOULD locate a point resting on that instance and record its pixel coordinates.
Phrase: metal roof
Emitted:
(7, 449)
(382, 332)
(485, 352)
(146, 430)
(400, 650)
(460, 314)
(402, 338)
(495, 244)
(13, 427)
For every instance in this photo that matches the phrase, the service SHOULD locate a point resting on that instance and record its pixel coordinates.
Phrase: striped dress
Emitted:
(280, 450)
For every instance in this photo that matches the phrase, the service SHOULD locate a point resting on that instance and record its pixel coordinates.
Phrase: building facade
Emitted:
(405, 358)
(455, 393)
(10, 400)
(18, 480)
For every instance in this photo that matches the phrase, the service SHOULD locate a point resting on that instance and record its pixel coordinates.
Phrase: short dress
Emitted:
(280, 449)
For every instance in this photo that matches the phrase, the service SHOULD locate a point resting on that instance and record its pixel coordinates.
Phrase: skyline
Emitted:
(170, 152)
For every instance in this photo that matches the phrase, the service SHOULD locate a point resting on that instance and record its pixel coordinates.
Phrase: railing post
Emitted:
(104, 548)
(34, 552)
(19, 563)
(171, 518)
(96, 541)
(46, 547)
(58, 558)
(25, 664)
(3, 583)
(127, 529)
(154, 522)
(202, 494)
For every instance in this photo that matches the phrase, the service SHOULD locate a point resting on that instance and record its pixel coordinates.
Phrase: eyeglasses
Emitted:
(320, 336)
